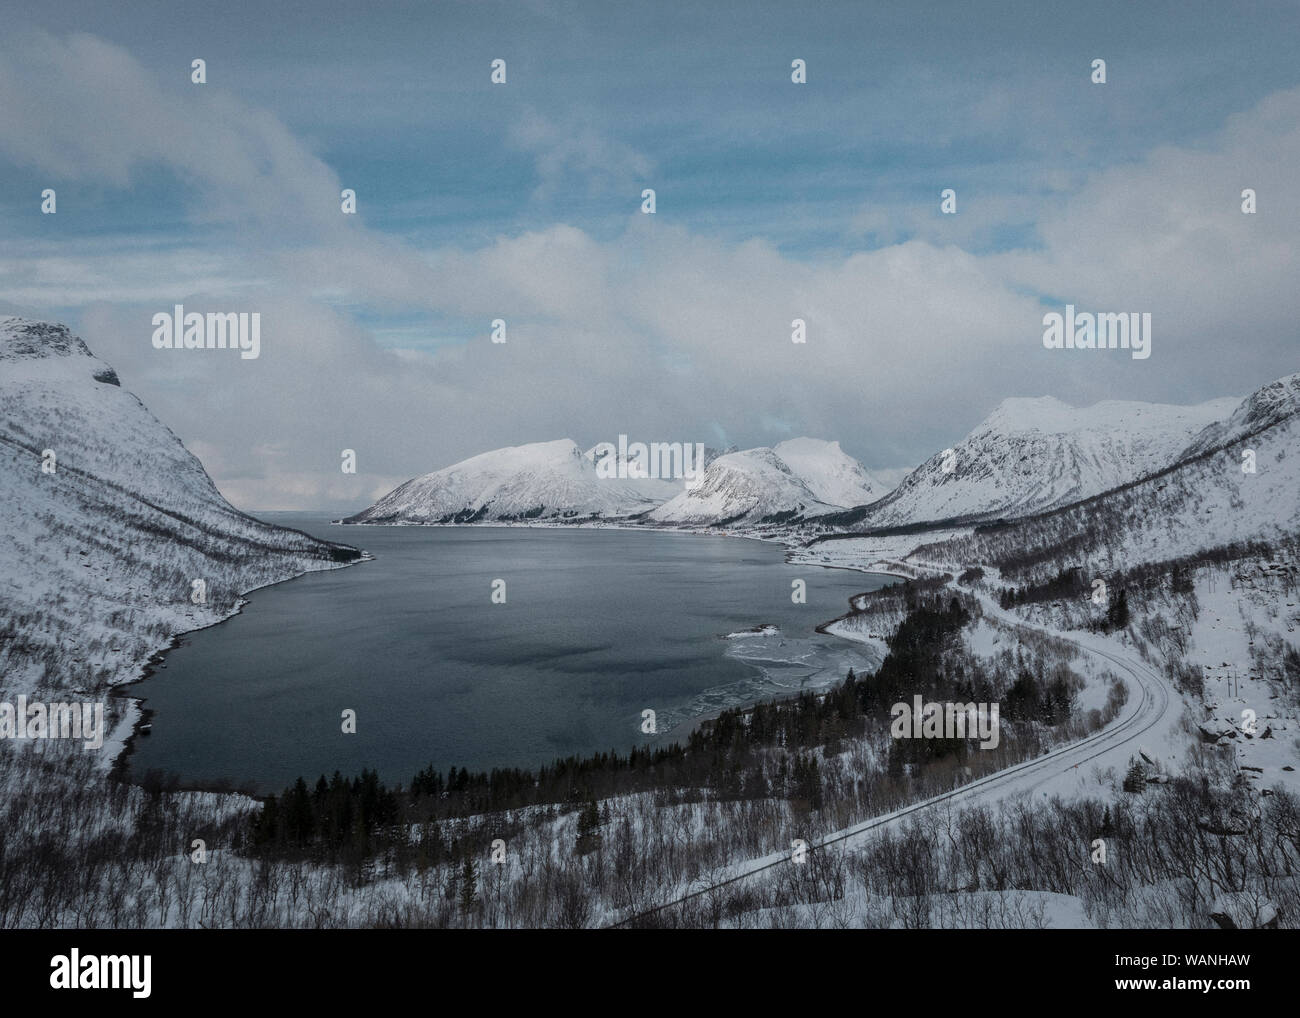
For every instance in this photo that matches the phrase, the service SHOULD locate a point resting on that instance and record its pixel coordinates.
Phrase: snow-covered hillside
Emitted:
(1261, 409)
(557, 481)
(832, 475)
(541, 480)
(748, 487)
(1035, 454)
(1202, 503)
(108, 521)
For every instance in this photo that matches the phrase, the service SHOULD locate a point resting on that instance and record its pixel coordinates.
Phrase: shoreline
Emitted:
(119, 767)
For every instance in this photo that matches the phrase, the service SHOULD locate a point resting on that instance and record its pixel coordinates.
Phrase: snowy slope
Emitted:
(97, 558)
(1201, 503)
(555, 480)
(541, 480)
(1036, 454)
(832, 475)
(747, 487)
(1261, 409)
(654, 490)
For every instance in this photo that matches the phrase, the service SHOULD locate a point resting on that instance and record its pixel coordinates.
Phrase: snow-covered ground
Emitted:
(1242, 709)
(882, 554)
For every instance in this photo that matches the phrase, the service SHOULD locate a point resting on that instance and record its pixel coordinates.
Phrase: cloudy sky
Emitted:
(522, 201)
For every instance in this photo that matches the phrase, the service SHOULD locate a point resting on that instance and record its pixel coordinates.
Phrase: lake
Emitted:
(598, 625)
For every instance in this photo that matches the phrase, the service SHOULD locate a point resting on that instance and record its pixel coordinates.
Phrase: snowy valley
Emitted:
(1124, 726)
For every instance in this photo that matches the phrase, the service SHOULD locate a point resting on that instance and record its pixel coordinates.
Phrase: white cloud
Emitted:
(573, 153)
(658, 332)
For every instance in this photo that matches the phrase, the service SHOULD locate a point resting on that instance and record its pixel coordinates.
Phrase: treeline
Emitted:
(1071, 585)
(768, 751)
(1148, 579)
(744, 753)
(1068, 585)
(1023, 563)
(1180, 572)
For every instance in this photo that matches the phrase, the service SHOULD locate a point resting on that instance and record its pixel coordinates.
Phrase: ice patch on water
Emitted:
(764, 630)
(781, 666)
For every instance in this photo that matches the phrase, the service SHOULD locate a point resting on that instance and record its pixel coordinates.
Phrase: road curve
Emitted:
(1119, 739)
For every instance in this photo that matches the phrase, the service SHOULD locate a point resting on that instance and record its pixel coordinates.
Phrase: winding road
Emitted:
(1154, 706)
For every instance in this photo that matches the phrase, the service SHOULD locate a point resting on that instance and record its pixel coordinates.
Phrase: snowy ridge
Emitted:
(1202, 503)
(1031, 455)
(541, 480)
(1261, 409)
(832, 475)
(557, 481)
(752, 486)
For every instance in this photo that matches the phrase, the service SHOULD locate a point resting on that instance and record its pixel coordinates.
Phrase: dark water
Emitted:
(598, 626)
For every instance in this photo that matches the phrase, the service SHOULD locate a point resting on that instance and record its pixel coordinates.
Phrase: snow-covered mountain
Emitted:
(108, 523)
(1205, 502)
(541, 480)
(831, 474)
(1028, 456)
(1261, 409)
(749, 487)
(558, 481)
(1031, 455)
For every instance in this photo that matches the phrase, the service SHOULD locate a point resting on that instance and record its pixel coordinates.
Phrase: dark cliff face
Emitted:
(56, 392)
(23, 339)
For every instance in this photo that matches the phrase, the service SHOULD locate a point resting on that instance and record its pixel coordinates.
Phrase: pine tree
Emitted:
(1117, 616)
(468, 886)
(1135, 780)
(298, 811)
(589, 827)
(267, 826)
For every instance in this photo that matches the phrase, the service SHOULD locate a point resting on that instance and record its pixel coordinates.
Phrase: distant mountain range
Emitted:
(556, 480)
(1029, 456)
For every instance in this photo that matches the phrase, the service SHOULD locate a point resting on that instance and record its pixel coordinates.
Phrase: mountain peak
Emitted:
(804, 444)
(1036, 453)
(1029, 413)
(23, 338)
(834, 476)
(753, 486)
(1267, 406)
(535, 481)
(27, 341)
